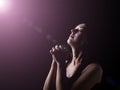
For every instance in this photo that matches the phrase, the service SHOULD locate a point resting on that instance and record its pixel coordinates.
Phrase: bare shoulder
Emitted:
(90, 76)
(94, 68)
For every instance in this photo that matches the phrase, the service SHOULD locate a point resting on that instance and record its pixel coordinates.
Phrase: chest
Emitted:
(71, 70)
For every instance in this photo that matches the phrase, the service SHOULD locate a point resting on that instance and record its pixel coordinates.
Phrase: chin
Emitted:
(69, 42)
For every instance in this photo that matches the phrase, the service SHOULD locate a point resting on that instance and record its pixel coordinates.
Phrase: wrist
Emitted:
(53, 62)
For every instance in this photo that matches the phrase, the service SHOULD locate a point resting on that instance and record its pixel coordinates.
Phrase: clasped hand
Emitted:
(58, 53)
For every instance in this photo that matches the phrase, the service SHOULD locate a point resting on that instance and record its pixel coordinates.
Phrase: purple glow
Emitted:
(29, 28)
(4, 5)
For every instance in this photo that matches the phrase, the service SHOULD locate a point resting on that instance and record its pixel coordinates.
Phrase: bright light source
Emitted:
(4, 5)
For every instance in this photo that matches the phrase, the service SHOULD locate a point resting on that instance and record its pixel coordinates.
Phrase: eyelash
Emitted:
(74, 30)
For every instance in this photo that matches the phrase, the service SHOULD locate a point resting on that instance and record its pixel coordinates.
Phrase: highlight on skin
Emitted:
(88, 77)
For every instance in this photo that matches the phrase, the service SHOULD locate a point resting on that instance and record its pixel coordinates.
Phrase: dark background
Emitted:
(32, 27)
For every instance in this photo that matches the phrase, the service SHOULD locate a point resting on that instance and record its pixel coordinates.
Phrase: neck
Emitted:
(77, 54)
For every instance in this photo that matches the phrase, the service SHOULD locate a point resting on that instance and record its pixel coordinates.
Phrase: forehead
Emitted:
(80, 26)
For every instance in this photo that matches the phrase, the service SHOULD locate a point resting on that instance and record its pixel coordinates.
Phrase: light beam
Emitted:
(4, 5)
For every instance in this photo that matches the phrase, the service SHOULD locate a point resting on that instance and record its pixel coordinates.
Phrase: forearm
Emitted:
(58, 78)
(50, 76)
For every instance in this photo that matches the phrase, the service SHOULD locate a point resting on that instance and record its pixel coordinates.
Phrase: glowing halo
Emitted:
(4, 5)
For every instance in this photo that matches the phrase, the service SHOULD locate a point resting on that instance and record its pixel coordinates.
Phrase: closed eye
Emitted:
(74, 30)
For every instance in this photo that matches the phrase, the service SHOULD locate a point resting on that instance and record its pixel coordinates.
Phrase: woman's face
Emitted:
(77, 36)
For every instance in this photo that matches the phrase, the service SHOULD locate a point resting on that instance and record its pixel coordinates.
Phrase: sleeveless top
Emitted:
(68, 82)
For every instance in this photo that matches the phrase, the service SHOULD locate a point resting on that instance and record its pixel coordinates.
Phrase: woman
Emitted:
(80, 73)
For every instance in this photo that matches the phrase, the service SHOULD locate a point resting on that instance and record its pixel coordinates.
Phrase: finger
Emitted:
(51, 52)
(60, 46)
(56, 47)
(53, 49)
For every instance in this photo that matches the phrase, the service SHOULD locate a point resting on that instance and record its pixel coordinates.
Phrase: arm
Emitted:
(91, 75)
(59, 56)
(55, 70)
(50, 76)
(58, 78)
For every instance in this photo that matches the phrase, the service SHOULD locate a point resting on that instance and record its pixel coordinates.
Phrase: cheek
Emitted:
(79, 37)
(80, 40)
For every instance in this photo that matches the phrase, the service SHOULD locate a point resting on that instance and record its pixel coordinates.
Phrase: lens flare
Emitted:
(4, 5)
